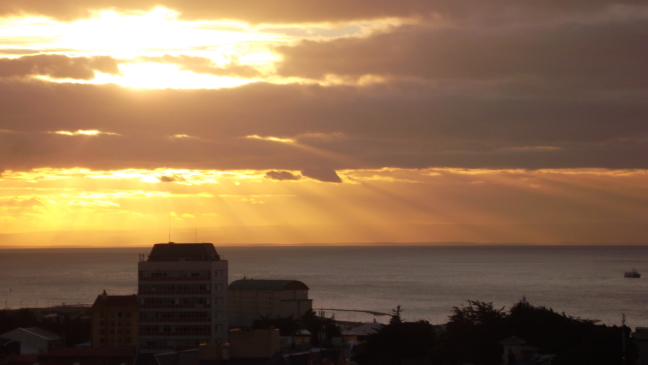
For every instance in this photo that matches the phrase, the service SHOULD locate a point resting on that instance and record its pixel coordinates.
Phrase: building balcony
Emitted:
(175, 334)
(174, 292)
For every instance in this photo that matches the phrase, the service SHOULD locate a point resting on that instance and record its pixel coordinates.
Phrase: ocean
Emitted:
(427, 281)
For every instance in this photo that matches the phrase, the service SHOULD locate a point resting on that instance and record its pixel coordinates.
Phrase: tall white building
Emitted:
(182, 297)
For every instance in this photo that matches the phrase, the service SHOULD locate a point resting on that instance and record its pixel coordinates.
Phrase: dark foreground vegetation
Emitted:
(321, 327)
(475, 330)
(73, 328)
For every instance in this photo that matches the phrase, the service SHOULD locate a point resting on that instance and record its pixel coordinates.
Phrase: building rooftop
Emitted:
(33, 331)
(267, 285)
(363, 329)
(114, 301)
(183, 252)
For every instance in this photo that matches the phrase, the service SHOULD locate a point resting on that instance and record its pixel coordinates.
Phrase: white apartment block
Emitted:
(250, 299)
(182, 297)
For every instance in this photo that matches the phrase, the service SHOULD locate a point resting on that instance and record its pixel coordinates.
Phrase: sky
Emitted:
(126, 123)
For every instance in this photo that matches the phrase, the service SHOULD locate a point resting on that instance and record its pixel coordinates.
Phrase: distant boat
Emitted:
(632, 274)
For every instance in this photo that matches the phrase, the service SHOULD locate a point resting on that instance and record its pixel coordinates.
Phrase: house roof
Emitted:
(183, 252)
(267, 285)
(33, 331)
(363, 329)
(115, 301)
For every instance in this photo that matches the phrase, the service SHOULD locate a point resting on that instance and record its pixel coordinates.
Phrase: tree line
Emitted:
(474, 332)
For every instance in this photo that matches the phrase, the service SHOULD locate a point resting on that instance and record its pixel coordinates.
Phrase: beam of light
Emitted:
(272, 139)
(81, 132)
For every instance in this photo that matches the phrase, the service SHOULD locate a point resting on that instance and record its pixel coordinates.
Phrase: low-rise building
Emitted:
(114, 320)
(640, 338)
(88, 356)
(34, 340)
(250, 299)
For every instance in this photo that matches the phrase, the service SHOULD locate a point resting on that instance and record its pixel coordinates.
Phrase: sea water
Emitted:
(426, 281)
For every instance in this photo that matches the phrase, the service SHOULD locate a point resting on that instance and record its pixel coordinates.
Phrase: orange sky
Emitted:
(354, 122)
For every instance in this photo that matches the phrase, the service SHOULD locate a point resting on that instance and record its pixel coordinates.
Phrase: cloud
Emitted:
(202, 65)
(296, 11)
(57, 66)
(600, 54)
(322, 174)
(171, 178)
(281, 175)
(19, 202)
(397, 124)
(271, 139)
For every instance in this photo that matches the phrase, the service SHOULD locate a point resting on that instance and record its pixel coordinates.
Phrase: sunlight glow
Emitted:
(148, 75)
(155, 49)
(81, 132)
(273, 139)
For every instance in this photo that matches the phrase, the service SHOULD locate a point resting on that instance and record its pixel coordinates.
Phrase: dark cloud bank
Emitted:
(300, 11)
(400, 124)
(531, 85)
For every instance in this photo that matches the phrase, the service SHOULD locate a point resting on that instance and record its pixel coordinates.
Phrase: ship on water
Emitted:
(632, 274)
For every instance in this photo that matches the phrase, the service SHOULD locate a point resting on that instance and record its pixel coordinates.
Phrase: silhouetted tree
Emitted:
(572, 340)
(316, 324)
(474, 332)
(287, 325)
(396, 315)
(397, 341)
